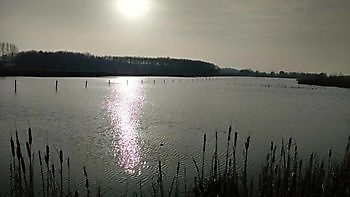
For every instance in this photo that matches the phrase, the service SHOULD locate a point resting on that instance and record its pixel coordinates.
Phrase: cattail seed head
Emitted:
(53, 170)
(17, 140)
(289, 143)
(85, 174)
(18, 151)
(30, 136)
(204, 142)
(236, 135)
(282, 148)
(47, 156)
(28, 149)
(61, 157)
(247, 142)
(87, 183)
(23, 165)
(229, 133)
(271, 147)
(12, 147)
(41, 163)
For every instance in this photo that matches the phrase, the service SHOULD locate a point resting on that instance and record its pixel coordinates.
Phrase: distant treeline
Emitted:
(324, 80)
(252, 73)
(321, 79)
(64, 63)
(39, 63)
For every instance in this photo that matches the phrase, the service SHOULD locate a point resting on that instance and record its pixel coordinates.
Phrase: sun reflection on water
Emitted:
(124, 108)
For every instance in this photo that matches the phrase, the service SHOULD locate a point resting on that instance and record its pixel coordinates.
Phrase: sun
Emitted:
(133, 8)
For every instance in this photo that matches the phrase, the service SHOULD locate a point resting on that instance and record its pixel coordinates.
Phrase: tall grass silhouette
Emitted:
(283, 173)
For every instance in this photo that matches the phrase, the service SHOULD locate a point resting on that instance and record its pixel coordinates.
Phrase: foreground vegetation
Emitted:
(282, 174)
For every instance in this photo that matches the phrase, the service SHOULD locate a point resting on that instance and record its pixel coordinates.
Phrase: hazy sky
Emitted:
(292, 35)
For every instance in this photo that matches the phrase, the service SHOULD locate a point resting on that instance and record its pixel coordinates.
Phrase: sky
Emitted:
(265, 35)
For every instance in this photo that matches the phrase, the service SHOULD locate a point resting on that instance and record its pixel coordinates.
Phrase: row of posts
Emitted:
(109, 83)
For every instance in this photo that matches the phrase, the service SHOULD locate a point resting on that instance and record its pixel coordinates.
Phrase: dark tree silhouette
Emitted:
(78, 64)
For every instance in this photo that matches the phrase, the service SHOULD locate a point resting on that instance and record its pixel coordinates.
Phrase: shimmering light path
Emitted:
(124, 107)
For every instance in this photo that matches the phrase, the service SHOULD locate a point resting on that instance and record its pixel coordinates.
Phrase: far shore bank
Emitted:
(331, 81)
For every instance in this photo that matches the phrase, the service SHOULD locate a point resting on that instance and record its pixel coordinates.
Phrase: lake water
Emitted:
(120, 131)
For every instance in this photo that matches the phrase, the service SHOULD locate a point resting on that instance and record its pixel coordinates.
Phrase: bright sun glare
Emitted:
(133, 8)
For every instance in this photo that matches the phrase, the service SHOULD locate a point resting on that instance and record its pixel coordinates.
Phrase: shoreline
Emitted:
(344, 81)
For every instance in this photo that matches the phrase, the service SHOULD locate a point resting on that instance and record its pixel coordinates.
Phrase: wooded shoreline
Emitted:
(72, 64)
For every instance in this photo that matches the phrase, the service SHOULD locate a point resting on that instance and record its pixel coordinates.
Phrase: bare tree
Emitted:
(8, 49)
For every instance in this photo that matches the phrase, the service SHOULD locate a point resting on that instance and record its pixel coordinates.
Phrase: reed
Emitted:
(30, 158)
(68, 175)
(185, 182)
(160, 179)
(86, 183)
(61, 173)
(203, 157)
(245, 166)
(140, 186)
(177, 180)
(227, 150)
(216, 157)
(41, 172)
(284, 174)
(47, 158)
(235, 175)
(22, 171)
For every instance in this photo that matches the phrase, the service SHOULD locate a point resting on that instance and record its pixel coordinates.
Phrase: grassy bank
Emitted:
(283, 173)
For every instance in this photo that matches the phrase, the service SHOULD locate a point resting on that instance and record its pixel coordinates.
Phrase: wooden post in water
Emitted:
(109, 82)
(15, 85)
(86, 84)
(127, 82)
(56, 85)
(154, 81)
(141, 81)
